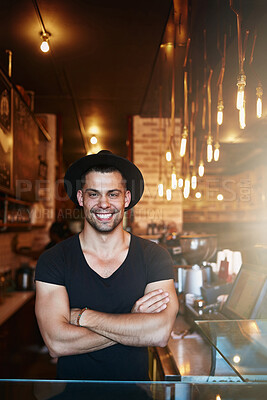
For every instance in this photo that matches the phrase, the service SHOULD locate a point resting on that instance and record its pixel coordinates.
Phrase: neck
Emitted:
(100, 242)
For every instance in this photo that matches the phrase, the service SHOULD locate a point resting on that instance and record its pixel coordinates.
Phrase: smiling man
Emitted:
(105, 295)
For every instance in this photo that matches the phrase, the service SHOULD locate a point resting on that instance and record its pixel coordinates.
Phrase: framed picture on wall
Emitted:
(6, 134)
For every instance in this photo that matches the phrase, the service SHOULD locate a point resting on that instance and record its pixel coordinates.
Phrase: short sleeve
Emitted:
(50, 266)
(158, 262)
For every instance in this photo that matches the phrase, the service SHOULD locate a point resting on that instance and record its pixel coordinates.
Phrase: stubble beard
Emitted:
(104, 227)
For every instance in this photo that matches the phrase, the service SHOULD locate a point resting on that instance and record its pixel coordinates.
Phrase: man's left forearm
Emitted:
(130, 329)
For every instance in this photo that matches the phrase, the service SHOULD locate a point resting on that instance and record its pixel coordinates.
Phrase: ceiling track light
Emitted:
(45, 41)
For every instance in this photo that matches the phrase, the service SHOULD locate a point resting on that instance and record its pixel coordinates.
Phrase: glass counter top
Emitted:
(242, 343)
(100, 390)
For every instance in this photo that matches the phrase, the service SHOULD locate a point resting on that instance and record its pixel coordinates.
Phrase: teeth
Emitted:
(104, 216)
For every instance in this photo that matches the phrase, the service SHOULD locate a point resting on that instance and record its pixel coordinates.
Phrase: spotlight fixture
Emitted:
(45, 42)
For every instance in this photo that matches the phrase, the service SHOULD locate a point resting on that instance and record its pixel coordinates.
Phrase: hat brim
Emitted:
(134, 178)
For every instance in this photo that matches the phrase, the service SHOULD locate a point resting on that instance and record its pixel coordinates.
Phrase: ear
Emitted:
(127, 198)
(80, 197)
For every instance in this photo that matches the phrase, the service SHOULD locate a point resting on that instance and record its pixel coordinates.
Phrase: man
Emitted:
(104, 295)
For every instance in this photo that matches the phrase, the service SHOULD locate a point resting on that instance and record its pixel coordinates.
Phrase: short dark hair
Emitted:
(103, 169)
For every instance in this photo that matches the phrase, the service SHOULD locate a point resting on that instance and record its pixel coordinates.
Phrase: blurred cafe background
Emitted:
(178, 87)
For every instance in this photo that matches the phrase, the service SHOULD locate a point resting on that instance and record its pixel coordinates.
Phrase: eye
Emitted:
(114, 195)
(92, 195)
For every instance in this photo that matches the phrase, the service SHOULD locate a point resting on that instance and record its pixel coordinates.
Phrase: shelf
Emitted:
(16, 225)
(14, 213)
(15, 201)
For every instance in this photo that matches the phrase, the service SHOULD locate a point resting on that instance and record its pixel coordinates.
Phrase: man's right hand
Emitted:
(153, 302)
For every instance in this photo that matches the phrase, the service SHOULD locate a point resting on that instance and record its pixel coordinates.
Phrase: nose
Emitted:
(104, 201)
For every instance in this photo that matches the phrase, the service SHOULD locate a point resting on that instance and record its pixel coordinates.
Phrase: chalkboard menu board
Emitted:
(6, 135)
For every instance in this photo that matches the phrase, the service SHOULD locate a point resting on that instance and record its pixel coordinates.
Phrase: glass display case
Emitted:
(102, 390)
(241, 343)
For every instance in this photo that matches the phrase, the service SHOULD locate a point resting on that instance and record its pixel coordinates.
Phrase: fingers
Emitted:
(152, 302)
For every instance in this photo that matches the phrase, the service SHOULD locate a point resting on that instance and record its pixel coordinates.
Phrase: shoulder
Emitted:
(158, 262)
(52, 264)
(152, 252)
(59, 249)
(148, 246)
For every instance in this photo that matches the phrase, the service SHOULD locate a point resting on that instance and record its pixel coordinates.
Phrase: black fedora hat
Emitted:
(133, 176)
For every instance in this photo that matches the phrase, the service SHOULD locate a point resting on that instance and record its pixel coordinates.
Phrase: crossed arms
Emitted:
(149, 323)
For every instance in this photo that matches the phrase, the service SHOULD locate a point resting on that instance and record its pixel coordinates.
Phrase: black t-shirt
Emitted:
(65, 264)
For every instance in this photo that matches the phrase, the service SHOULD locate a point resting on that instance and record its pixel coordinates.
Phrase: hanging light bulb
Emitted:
(186, 188)
(259, 107)
(168, 194)
(168, 155)
(180, 182)
(259, 93)
(174, 180)
(220, 197)
(216, 151)
(220, 108)
(194, 181)
(201, 169)
(183, 142)
(160, 189)
(93, 140)
(242, 117)
(45, 44)
(209, 149)
(241, 83)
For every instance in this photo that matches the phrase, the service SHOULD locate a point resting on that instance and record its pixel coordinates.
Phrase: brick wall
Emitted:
(146, 150)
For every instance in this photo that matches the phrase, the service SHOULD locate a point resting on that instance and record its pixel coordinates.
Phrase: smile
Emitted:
(103, 216)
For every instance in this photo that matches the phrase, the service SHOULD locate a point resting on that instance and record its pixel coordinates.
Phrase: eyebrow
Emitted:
(97, 191)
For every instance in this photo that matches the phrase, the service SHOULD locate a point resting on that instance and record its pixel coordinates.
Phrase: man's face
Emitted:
(103, 198)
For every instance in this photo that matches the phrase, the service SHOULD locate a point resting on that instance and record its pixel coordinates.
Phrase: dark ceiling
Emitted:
(101, 60)
(104, 61)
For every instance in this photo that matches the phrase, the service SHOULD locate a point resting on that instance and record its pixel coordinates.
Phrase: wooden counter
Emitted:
(12, 303)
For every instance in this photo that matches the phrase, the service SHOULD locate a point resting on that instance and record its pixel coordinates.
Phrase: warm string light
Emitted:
(185, 131)
(220, 108)
(259, 93)
(186, 188)
(180, 183)
(212, 143)
(240, 100)
(216, 151)
(201, 169)
(240, 96)
(183, 143)
(209, 140)
(168, 194)
(160, 189)
(242, 117)
(259, 107)
(194, 181)
(168, 155)
(174, 180)
(209, 149)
